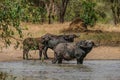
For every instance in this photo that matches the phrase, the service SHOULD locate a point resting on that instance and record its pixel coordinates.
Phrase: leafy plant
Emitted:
(88, 13)
(10, 17)
(31, 12)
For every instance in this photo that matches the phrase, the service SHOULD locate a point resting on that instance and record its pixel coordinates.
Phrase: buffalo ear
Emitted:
(45, 38)
(96, 45)
(81, 44)
(93, 44)
(75, 36)
(65, 37)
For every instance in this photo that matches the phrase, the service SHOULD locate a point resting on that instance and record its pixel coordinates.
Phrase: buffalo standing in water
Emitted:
(52, 40)
(69, 51)
(41, 44)
(32, 44)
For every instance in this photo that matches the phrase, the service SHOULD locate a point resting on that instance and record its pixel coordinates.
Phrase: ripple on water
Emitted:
(35, 70)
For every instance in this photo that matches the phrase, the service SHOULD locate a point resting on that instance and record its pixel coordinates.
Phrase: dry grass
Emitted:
(111, 33)
(37, 30)
(108, 27)
(40, 29)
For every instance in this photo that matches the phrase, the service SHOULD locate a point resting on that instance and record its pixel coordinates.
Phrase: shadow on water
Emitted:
(37, 70)
(78, 67)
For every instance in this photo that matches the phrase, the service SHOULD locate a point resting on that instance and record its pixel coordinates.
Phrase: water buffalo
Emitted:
(68, 51)
(52, 40)
(40, 42)
(32, 44)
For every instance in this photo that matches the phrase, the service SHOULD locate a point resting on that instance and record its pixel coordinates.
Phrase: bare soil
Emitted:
(98, 53)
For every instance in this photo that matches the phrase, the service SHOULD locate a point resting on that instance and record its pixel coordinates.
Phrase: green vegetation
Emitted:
(39, 11)
(89, 13)
(10, 17)
(13, 12)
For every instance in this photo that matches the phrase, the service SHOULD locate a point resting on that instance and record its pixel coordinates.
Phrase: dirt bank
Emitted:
(100, 53)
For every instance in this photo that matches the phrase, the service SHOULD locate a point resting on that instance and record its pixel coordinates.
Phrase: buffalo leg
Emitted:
(40, 54)
(80, 61)
(59, 61)
(55, 59)
(25, 54)
(45, 53)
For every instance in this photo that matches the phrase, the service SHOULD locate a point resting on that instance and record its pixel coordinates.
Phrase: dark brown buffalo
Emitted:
(69, 51)
(43, 43)
(52, 40)
(32, 44)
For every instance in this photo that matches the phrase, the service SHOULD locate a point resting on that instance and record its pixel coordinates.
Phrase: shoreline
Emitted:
(98, 53)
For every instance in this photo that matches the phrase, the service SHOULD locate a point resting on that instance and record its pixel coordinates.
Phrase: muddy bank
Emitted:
(98, 53)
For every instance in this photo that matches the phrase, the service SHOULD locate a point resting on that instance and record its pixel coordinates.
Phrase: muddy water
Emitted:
(37, 70)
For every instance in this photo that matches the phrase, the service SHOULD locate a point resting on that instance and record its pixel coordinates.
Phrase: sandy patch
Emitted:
(104, 53)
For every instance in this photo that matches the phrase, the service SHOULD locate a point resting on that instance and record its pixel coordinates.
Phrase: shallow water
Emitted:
(37, 70)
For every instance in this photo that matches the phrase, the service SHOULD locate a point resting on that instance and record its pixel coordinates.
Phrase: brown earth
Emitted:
(99, 53)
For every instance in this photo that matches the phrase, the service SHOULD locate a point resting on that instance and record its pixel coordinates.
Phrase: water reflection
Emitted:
(35, 70)
(80, 67)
